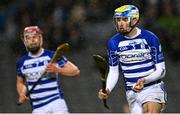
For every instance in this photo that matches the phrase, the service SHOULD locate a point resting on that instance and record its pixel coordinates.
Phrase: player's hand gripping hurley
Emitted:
(61, 50)
(102, 65)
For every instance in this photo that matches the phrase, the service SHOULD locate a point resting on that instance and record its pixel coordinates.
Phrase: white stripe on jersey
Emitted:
(34, 60)
(35, 69)
(43, 101)
(33, 73)
(130, 83)
(134, 56)
(39, 95)
(43, 86)
(126, 43)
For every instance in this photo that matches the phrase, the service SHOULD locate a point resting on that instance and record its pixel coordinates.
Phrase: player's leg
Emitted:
(125, 108)
(153, 98)
(135, 108)
(134, 105)
(152, 107)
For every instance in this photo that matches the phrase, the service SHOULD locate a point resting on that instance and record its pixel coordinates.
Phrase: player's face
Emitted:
(122, 24)
(32, 42)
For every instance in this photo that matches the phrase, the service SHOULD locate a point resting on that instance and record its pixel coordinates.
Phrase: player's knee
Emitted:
(150, 111)
(151, 108)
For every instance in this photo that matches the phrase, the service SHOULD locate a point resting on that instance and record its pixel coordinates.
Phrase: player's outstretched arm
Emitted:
(69, 69)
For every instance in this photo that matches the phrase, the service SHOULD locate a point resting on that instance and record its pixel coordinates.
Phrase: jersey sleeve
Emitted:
(113, 57)
(62, 61)
(156, 49)
(18, 69)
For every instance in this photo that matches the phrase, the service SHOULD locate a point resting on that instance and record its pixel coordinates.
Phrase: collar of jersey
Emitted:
(38, 55)
(138, 33)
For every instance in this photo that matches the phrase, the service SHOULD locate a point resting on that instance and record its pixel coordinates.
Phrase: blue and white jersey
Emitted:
(31, 68)
(135, 56)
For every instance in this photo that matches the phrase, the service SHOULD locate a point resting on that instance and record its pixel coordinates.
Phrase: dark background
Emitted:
(86, 25)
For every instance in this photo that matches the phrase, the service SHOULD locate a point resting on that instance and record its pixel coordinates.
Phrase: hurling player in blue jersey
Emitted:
(137, 54)
(47, 96)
